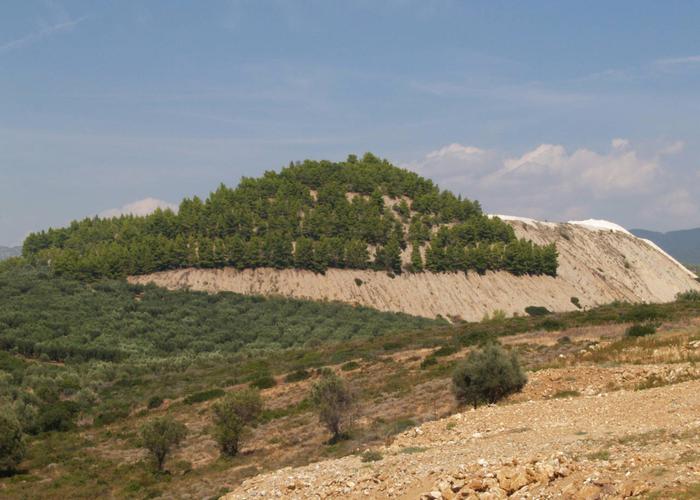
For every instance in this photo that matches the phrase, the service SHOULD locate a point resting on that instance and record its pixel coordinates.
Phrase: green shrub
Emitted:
(575, 301)
(264, 381)
(428, 361)
(57, 416)
(487, 376)
(640, 330)
(12, 447)
(199, 397)
(155, 402)
(297, 376)
(537, 311)
(334, 403)
(690, 295)
(112, 414)
(358, 281)
(350, 365)
(160, 436)
(446, 350)
(478, 337)
(232, 415)
(552, 325)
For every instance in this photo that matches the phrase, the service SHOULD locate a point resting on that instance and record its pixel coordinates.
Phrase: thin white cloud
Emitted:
(140, 207)
(678, 61)
(40, 34)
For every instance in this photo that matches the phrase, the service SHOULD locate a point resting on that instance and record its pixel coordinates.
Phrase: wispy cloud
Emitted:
(39, 35)
(678, 61)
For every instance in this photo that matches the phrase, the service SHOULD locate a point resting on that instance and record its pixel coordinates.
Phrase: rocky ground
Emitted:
(603, 445)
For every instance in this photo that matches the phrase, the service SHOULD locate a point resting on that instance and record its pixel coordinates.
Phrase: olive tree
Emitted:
(12, 447)
(334, 403)
(487, 376)
(232, 416)
(160, 436)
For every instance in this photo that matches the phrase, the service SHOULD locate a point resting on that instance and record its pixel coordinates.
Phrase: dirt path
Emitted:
(609, 445)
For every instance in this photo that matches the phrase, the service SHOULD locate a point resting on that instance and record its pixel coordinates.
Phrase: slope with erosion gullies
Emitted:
(595, 265)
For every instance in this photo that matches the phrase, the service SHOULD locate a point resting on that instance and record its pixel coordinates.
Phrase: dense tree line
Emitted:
(357, 214)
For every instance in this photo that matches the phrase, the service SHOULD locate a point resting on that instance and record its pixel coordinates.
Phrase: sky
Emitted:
(546, 109)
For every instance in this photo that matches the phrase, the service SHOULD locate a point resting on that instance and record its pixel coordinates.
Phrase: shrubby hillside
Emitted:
(357, 214)
(59, 319)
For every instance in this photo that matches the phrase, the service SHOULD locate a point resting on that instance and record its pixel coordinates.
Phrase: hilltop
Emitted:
(358, 214)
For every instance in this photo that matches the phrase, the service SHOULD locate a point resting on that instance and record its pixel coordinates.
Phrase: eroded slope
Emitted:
(595, 265)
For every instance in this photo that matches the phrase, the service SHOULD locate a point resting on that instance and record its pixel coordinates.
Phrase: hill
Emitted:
(7, 252)
(684, 245)
(595, 266)
(357, 214)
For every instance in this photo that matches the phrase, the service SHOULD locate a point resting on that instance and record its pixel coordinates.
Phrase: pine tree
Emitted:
(304, 254)
(416, 258)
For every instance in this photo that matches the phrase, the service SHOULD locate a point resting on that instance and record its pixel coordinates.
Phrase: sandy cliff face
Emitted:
(596, 265)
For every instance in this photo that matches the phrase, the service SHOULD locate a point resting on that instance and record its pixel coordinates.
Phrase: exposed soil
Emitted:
(595, 266)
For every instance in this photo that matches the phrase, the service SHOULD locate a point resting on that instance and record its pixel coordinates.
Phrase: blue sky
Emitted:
(555, 110)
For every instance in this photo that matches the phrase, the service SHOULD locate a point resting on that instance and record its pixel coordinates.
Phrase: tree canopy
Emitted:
(359, 214)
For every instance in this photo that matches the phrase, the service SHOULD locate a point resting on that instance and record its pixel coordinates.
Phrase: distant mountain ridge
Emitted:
(684, 245)
(7, 252)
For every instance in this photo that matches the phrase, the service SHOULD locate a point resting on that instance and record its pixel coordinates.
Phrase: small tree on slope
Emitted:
(12, 446)
(487, 376)
(334, 402)
(232, 416)
(160, 436)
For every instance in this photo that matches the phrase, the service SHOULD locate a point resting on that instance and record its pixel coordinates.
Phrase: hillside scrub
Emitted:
(67, 320)
(487, 376)
(311, 215)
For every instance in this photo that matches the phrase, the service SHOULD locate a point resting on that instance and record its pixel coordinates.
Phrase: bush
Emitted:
(371, 456)
(263, 381)
(446, 350)
(57, 416)
(350, 365)
(552, 325)
(297, 376)
(160, 436)
(199, 397)
(231, 417)
(334, 403)
(155, 402)
(428, 362)
(640, 330)
(575, 301)
(478, 337)
(487, 376)
(537, 311)
(12, 447)
(690, 295)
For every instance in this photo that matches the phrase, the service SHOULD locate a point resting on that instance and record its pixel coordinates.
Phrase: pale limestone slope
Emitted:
(597, 266)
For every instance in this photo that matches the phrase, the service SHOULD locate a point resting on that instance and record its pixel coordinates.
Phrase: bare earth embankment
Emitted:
(596, 266)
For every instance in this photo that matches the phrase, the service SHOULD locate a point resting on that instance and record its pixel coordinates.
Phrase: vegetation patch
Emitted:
(200, 397)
